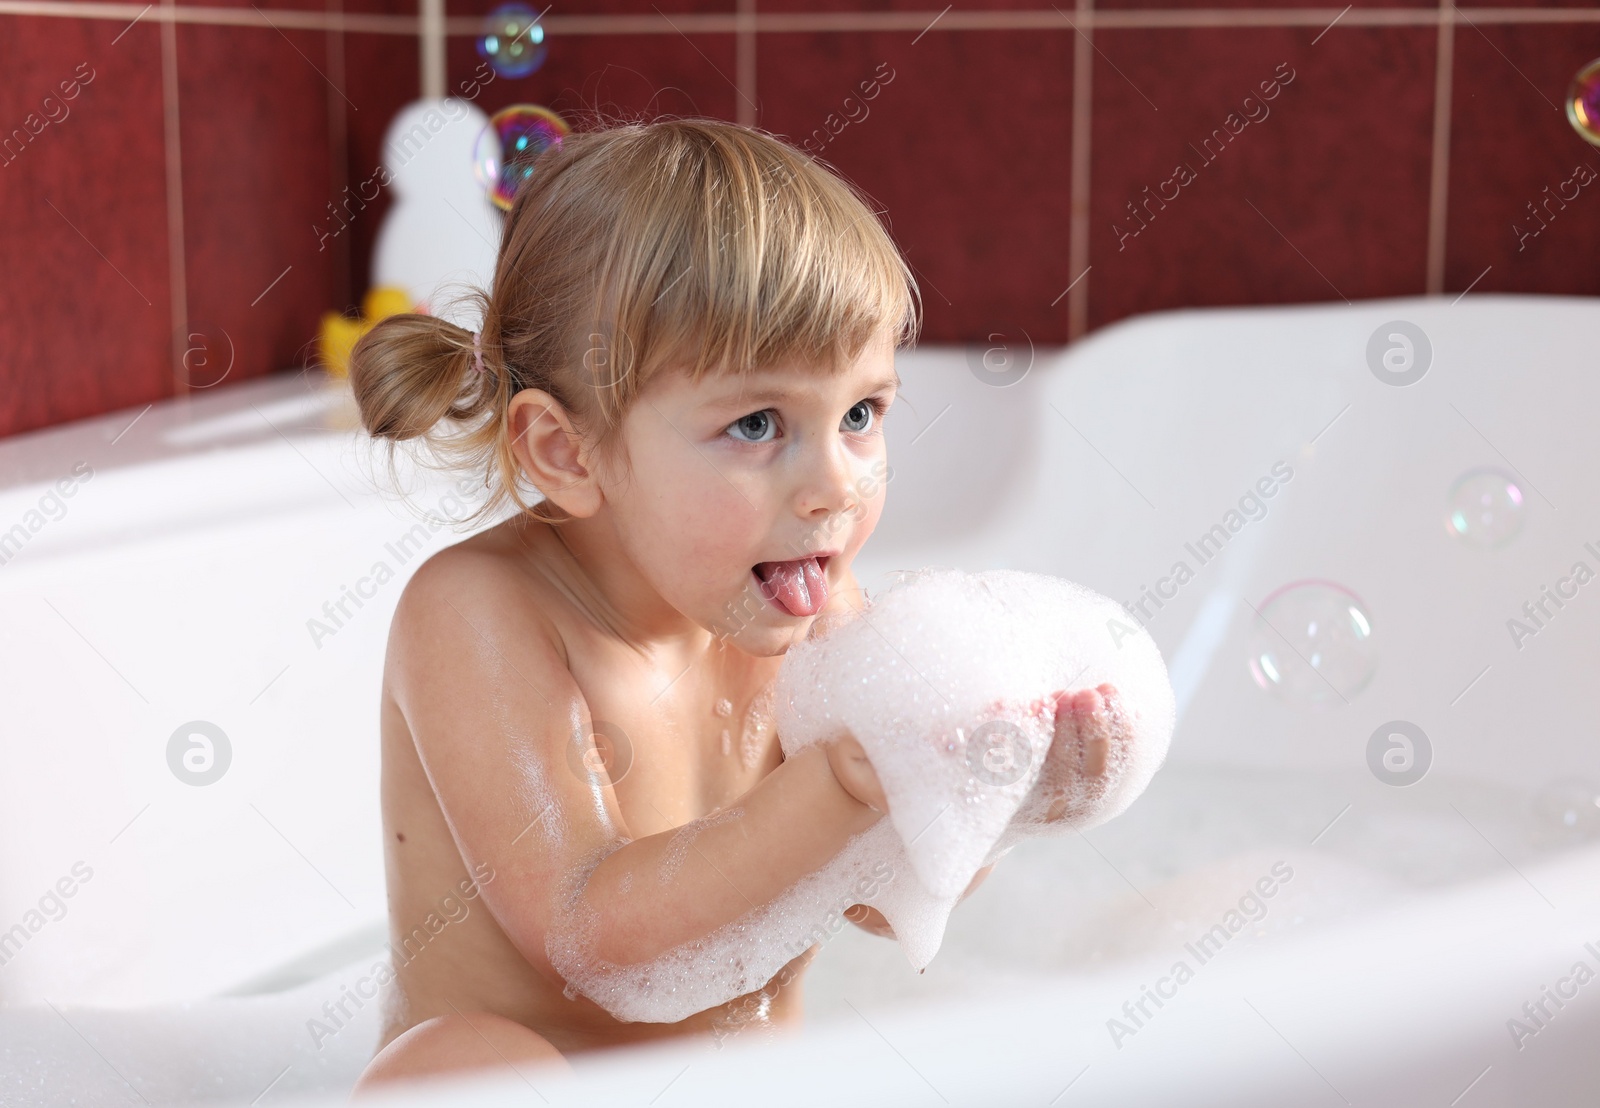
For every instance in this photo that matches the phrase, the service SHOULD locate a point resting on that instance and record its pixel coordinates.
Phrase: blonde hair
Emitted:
(694, 244)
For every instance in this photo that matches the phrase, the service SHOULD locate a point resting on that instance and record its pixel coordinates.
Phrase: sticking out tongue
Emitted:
(798, 586)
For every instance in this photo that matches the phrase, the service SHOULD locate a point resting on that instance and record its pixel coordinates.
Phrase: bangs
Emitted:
(734, 252)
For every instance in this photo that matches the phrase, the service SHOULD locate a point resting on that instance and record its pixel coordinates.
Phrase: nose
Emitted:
(826, 481)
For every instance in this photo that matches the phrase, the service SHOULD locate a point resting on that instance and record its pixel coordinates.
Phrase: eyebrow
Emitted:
(770, 394)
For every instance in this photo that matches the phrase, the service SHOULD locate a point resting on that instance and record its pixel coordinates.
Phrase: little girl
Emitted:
(688, 350)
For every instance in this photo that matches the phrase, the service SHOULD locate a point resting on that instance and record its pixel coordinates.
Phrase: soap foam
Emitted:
(941, 673)
(742, 955)
(943, 658)
(758, 724)
(683, 838)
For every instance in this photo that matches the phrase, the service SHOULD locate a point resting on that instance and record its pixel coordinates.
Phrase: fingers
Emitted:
(855, 774)
(1094, 754)
(1083, 719)
(1089, 725)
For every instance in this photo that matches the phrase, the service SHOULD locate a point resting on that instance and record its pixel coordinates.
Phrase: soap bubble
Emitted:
(506, 149)
(512, 41)
(1571, 804)
(1485, 509)
(1583, 102)
(1312, 645)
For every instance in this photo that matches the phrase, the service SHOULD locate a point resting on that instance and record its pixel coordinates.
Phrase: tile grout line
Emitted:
(172, 148)
(804, 23)
(431, 33)
(339, 152)
(1439, 184)
(1082, 125)
(744, 64)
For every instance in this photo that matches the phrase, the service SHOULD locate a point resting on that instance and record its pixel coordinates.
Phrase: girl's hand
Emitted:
(1091, 730)
(854, 773)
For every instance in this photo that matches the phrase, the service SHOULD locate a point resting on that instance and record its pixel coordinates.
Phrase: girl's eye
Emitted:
(757, 425)
(863, 416)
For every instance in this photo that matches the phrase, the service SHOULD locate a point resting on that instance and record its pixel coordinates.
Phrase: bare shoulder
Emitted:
(478, 672)
(474, 624)
(476, 585)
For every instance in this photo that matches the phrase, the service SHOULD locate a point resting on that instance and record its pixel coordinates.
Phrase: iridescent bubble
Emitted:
(506, 149)
(512, 41)
(1583, 102)
(1570, 805)
(1485, 509)
(1312, 645)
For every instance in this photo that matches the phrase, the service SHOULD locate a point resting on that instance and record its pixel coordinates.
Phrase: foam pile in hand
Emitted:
(947, 681)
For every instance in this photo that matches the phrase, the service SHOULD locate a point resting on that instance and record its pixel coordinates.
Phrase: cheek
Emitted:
(714, 527)
(864, 519)
(688, 513)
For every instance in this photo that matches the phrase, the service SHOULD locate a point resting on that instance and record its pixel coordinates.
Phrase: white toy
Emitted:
(441, 235)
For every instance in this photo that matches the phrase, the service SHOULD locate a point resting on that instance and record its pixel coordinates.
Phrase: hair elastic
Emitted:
(477, 352)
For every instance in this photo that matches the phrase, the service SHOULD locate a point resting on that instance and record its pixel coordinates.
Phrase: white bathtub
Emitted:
(1417, 922)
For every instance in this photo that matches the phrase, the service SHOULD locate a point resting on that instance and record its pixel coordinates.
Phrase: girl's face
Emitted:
(749, 496)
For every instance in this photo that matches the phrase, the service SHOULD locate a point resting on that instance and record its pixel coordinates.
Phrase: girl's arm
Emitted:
(480, 676)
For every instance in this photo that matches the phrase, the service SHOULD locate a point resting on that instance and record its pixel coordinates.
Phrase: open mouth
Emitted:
(798, 587)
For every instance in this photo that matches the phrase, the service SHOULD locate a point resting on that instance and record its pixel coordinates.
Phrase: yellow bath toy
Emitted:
(338, 335)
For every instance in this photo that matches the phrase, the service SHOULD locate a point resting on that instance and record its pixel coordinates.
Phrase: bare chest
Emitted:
(677, 749)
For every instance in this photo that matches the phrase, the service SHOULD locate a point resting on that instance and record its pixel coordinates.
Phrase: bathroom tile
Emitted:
(372, 7)
(354, 7)
(1525, 4)
(84, 282)
(382, 75)
(965, 150)
(256, 182)
(1326, 5)
(1325, 198)
(621, 76)
(1509, 142)
(600, 7)
(932, 9)
(586, 77)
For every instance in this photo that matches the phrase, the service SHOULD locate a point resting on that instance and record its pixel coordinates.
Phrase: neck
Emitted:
(585, 560)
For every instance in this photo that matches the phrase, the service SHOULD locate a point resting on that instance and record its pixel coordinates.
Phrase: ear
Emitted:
(552, 453)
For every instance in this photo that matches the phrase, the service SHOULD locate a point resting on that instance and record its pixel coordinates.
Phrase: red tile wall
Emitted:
(1325, 191)
(1510, 141)
(1321, 195)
